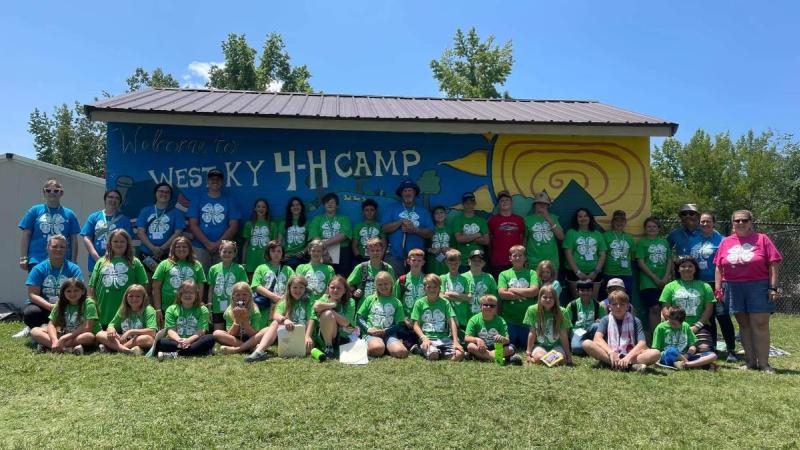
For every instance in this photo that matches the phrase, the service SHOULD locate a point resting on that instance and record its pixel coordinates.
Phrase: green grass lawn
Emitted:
(105, 401)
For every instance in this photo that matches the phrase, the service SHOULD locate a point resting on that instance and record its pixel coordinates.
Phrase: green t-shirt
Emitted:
(514, 310)
(274, 278)
(186, 321)
(469, 226)
(365, 231)
(73, 319)
(461, 285)
(486, 330)
(318, 276)
(381, 312)
(326, 227)
(433, 318)
(621, 253)
(585, 317)
(482, 285)
(258, 236)
(357, 275)
(347, 309)
(409, 294)
(692, 296)
(295, 238)
(655, 253)
(110, 280)
(542, 244)
(171, 275)
(681, 338)
(301, 311)
(550, 338)
(220, 283)
(442, 238)
(586, 247)
(135, 321)
(255, 317)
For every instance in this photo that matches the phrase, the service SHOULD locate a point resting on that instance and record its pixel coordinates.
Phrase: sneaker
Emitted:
(641, 368)
(680, 365)
(25, 332)
(329, 353)
(415, 350)
(515, 360)
(167, 355)
(731, 358)
(136, 351)
(102, 348)
(77, 350)
(257, 355)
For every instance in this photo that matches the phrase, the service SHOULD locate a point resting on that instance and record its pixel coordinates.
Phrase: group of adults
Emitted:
(742, 269)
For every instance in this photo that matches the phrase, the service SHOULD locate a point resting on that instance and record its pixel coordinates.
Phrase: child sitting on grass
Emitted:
(135, 319)
(432, 316)
(242, 322)
(585, 314)
(73, 321)
(620, 340)
(186, 323)
(549, 327)
(380, 317)
(487, 328)
(676, 340)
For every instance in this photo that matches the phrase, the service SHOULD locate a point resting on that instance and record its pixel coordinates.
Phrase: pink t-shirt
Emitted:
(746, 259)
(505, 233)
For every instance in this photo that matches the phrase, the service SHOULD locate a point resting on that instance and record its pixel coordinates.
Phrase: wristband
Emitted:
(772, 289)
(23, 259)
(698, 324)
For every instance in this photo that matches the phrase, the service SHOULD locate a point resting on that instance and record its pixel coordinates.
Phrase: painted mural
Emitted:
(601, 173)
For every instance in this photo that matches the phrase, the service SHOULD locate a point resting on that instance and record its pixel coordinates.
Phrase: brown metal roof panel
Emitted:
(119, 99)
(440, 110)
(295, 105)
(312, 106)
(166, 103)
(236, 101)
(144, 101)
(347, 107)
(630, 116)
(216, 102)
(330, 106)
(259, 103)
(498, 111)
(414, 109)
(364, 107)
(275, 107)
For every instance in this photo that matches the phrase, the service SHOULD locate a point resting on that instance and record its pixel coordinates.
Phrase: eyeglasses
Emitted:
(489, 305)
(164, 191)
(53, 191)
(741, 220)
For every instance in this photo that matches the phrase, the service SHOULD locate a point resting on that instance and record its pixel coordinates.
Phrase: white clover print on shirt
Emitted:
(382, 316)
(213, 213)
(740, 254)
(586, 247)
(316, 282)
(71, 321)
(541, 232)
(131, 323)
(657, 253)
(367, 233)
(676, 339)
(330, 229)
(433, 321)
(488, 336)
(51, 223)
(410, 215)
(295, 235)
(101, 230)
(114, 275)
(688, 299)
(478, 291)
(471, 228)
(223, 285)
(440, 240)
(186, 326)
(51, 286)
(298, 314)
(702, 250)
(620, 249)
(179, 274)
(518, 283)
(260, 236)
(413, 292)
(158, 225)
(549, 335)
(280, 283)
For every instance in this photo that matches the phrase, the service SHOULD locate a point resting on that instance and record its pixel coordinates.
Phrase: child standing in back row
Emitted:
(366, 231)
(221, 278)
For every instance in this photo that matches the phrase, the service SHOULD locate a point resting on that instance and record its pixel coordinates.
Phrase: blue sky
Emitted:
(717, 65)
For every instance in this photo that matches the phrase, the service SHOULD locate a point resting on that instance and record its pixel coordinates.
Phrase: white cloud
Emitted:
(275, 86)
(197, 75)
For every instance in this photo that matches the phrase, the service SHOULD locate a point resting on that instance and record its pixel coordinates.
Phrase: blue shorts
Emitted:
(748, 297)
(695, 356)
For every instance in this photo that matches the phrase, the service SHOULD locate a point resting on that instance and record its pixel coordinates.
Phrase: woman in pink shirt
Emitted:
(747, 279)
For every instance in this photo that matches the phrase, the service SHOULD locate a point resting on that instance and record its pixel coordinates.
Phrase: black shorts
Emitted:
(217, 318)
(572, 276)
(649, 297)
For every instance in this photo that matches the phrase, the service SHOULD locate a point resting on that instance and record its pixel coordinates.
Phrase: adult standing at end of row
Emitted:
(45, 220)
(100, 224)
(747, 280)
(506, 230)
(213, 218)
(406, 225)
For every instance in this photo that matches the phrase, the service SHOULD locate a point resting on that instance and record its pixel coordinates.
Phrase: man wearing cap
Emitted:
(542, 229)
(213, 217)
(621, 251)
(471, 231)
(505, 231)
(679, 238)
(406, 225)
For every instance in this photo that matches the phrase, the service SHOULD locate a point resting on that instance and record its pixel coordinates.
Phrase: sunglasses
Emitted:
(53, 191)
(687, 213)
(741, 220)
(489, 305)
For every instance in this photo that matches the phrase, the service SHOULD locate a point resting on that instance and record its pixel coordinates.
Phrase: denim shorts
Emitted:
(748, 296)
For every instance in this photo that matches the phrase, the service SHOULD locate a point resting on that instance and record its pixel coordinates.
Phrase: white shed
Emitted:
(21, 181)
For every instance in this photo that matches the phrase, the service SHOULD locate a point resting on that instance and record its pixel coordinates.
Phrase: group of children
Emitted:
(452, 315)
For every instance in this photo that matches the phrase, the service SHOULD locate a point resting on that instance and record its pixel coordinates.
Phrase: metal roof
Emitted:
(374, 108)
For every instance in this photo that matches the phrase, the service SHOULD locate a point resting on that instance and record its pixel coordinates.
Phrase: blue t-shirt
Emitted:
(49, 279)
(679, 239)
(213, 215)
(421, 219)
(160, 225)
(98, 227)
(44, 222)
(704, 249)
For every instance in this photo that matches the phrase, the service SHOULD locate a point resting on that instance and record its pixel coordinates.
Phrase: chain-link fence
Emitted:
(786, 237)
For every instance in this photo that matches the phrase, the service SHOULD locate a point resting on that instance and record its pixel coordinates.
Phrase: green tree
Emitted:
(473, 68)
(159, 79)
(68, 139)
(239, 71)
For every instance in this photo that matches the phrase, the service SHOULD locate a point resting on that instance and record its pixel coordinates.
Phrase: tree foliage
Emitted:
(473, 68)
(68, 139)
(274, 69)
(758, 172)
(159, 79)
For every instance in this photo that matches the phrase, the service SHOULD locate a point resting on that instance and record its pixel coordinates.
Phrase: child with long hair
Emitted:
(180, 266)
(549, 327)
(258, 232)
(269, 280)
(73, 321)
(380, 317)
(547, 274)
(113, 274)
(317, 273)
(186, 323)
(335, 311)
(133, 327)
(294, 309)
(293, 233)
(242, 321)
(221, 278)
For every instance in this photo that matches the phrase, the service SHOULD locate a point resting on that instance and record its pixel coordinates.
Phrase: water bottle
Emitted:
(498, 353)
(318, 354)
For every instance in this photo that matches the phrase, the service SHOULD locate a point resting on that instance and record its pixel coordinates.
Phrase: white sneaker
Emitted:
(167, 355)
(77, 350)
(24, 333)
